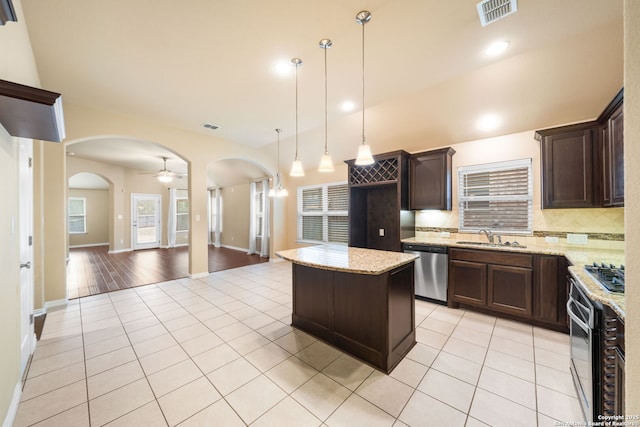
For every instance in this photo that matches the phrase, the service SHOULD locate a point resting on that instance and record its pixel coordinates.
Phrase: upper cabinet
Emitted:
(612, 152)
(430, 179)
(582, 164)
(567, 159)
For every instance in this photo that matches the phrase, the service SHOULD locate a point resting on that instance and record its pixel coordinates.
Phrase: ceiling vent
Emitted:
(492, 10)
(210, 126)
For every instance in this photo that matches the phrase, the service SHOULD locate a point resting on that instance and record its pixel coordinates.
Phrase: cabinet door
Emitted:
(605, 163)
(468, 282)
(619, 399)
(550, 290)
(616, 154)
(567, 170)
(509, 290)
(430, 180)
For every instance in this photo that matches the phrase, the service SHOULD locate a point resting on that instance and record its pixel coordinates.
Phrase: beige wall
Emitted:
(235, 216)
(522, 145)
(17, 65)
(97, 218)
(632, 200)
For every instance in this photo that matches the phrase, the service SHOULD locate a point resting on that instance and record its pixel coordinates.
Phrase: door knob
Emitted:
(26, 265)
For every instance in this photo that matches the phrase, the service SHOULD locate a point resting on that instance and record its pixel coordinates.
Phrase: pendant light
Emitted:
(296, 167)
(326, 164)
(278, 189)
(364, 150)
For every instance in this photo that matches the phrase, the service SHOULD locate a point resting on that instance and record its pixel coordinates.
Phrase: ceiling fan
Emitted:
(165, 175)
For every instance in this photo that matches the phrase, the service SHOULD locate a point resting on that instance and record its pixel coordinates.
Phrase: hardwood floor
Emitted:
(93, 270)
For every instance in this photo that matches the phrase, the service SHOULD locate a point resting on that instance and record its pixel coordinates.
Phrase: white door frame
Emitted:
(135, 197)
(25, 171)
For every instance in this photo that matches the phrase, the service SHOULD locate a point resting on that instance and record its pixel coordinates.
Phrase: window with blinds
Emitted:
(323, 213)
(496, 196)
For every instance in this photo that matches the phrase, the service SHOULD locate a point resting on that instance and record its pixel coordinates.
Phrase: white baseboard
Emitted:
(198, 275)
(90, 245)
(275, 259)
(117, 251)
(13, 407)
(39, 312)
(235, 248)
(55, 304)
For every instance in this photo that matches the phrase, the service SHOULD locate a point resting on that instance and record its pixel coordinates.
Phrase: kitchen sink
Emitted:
(494, 245)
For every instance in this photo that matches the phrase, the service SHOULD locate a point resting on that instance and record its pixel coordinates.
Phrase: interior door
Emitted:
(145, 221)
(27, 336)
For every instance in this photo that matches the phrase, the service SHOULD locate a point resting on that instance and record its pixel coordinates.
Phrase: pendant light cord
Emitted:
(363, 138)
(326, 150)
(296, 64)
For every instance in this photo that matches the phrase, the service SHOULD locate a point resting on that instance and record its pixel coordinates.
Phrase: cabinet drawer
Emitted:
(493, 257)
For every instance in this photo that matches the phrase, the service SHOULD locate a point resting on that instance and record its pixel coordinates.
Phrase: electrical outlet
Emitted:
(381, 232)
(551, 239)
(577, 239)
(445, 234)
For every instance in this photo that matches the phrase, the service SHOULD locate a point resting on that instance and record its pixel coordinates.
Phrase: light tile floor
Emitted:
(219, 351)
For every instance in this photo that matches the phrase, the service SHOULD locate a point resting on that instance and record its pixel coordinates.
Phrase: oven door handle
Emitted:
(583, 325)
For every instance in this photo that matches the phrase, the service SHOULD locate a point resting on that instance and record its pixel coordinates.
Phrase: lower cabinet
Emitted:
(510, 284)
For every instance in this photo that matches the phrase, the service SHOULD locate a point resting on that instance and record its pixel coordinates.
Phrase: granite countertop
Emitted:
(347, 259)
(576, 255)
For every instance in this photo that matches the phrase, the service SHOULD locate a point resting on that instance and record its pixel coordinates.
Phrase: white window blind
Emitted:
(496, 196)
(77, 209)
(182, 210)
(323, 213)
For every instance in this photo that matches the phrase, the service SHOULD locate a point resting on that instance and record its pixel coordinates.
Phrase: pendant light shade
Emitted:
(278, 190)
(326, 164)
(296, 167)
(364, 151)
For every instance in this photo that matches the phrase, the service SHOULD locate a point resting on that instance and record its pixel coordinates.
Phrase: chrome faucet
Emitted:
(487, 233)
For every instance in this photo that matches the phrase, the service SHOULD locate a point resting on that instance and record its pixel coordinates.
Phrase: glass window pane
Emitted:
(182, 222)
(312, 228)
(182, 206)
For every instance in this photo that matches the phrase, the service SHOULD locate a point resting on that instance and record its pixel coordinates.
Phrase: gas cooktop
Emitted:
(609, 276)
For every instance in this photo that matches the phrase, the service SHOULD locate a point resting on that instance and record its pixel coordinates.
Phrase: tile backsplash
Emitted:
(604, 227)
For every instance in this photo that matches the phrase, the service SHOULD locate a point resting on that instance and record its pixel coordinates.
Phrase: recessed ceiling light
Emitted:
(489, 122)
(282, 68)
(210, 126)
(496, 48)
(348, 106)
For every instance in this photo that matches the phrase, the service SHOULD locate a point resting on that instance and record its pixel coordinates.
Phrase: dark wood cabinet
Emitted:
(379, 201)
(510, 284)
(567, 161)
(509, 290)
(582, 165)
(550, 290)
(470, 279)
(612, 152)
(613, 364)
(498, 281)
(430, 179)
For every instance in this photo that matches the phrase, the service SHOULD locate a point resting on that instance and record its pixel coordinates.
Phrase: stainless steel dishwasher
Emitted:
(431, 270)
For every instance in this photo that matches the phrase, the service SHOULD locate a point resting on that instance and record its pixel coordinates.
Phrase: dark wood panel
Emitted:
(468, 282)
(510, 290)
(401, 296)
(430, 179)
(313, 296)
(492, 257)
(383, 213)
(616, 150)
(547, 302)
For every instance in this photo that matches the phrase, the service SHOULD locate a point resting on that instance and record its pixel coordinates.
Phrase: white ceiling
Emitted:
(427, 81)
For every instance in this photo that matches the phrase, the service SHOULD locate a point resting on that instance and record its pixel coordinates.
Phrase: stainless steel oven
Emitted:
(584, 325)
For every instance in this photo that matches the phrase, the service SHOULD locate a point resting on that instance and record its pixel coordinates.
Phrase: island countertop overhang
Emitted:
(347, 259)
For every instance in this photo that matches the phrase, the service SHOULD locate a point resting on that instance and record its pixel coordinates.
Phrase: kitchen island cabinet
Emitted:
(359, 300)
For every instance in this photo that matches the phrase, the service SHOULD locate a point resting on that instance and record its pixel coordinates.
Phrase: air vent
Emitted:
(492, 10)
(210, 126)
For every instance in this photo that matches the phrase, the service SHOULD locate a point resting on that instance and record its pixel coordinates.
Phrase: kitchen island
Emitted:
(359, 300)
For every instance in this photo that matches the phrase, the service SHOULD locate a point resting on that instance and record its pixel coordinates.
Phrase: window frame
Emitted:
(496, 167)
(84, 215)
(179, 214)
(324, 213)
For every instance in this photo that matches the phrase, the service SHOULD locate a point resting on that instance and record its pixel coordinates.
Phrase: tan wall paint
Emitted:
(235, 216)
(632, 200)
(522, 145)
(17, 65)
(97, 218)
